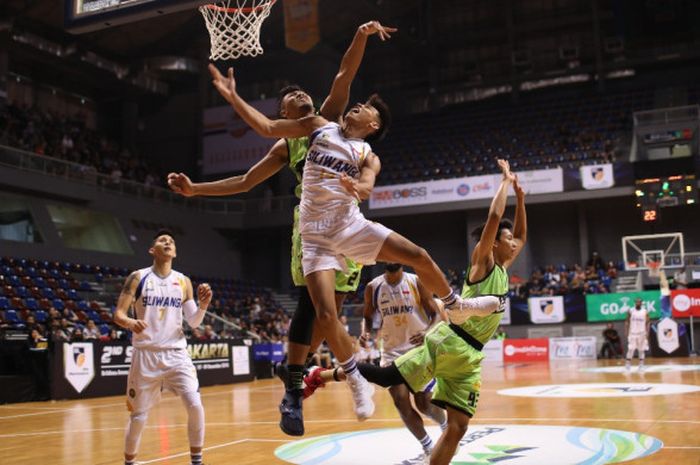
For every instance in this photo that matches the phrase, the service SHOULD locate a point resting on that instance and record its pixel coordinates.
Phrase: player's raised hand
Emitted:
(180, 183)
(204, 295)
(136, 326)
(505, 169)
(374, 27)
(350, 185)
(519, 192)
(226, 85)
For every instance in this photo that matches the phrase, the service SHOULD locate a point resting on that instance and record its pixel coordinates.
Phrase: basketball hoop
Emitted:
(654, 268)
(234, 27)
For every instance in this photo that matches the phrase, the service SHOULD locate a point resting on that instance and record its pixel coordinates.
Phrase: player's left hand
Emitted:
(204, 295)
(374, 27)
(225, 85)
(350, 185)
(505, 169)
(519, 192)
(417, 339)
(180, 183)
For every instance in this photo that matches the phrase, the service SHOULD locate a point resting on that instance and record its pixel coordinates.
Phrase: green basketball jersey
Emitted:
(297, 149)
(496, 284)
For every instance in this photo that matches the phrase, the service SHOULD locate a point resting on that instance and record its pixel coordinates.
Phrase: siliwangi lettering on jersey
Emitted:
(329, 161)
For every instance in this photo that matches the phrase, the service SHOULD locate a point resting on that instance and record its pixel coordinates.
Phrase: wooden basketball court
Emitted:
(242, 419)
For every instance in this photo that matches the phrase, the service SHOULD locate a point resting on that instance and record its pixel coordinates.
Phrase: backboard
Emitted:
(666, 249)
(91, 15)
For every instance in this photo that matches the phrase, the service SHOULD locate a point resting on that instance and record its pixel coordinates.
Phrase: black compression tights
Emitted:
(385, 377)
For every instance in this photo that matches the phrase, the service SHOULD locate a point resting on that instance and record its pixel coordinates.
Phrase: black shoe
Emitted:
(292, 419)
(282, 372)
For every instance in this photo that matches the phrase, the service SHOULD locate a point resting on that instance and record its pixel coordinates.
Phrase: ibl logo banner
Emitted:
(597, 176)
(78, 364)
(482, 445)
(667, 335)
(546, 309)
(611, 307)
(685, 302)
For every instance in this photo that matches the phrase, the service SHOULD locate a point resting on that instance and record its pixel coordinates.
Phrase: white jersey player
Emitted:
(160, 297)
(637, 329)
(407, 310)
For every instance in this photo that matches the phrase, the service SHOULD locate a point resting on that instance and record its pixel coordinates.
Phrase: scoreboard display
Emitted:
(655, 193)
(91, 15)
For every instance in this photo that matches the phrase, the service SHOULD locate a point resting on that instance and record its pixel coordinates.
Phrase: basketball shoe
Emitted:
(463, 309)
(361, 395)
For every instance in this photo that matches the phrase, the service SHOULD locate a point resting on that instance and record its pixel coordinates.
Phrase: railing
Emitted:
(667, 115)
(88, 175)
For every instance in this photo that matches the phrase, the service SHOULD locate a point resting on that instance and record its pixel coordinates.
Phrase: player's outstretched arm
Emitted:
(126, 299)
(260, 123)
(483, 252)
(194, 313)
(334, 105)
(368, 312)
(362, 188)
(431, 309)
(520, 222)
(275, 159)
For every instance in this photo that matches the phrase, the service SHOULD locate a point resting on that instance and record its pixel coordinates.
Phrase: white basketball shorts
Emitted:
(152, 371)
(637, 342)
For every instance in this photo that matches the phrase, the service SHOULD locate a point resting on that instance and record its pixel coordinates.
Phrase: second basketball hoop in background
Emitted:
(234, 27)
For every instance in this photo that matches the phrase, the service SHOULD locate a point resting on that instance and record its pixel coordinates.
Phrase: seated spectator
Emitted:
(37, 341)
(209, 334)
(612, 347)
(91, 331)
(58, 334)
(77, 335)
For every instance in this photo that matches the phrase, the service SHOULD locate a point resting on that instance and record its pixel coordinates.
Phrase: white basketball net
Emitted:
(234, 27)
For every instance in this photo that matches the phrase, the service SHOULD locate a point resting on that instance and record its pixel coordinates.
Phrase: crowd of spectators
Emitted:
(259, 315)
(595, 278)
(69, 138)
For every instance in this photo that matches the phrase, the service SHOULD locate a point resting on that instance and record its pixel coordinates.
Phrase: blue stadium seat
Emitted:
(41, 316)
(13, 280)
(104, 329)
(73, 294)
(31, 303)
(22, 291)
(85, 286)
(58, 304)
(13, 318)
(48, 293)
(4, 303)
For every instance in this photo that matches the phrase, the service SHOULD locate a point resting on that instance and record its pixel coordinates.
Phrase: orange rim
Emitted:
(246, 10)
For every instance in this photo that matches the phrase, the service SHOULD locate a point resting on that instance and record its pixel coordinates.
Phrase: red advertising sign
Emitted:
(526, 350)
(685, 302)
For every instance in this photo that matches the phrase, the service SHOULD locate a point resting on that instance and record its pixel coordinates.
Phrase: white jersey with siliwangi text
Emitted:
(325, 204)
(401, 312)
(159, 303)
(638, 321)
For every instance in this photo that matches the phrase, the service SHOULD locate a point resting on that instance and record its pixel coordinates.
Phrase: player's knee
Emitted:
(402, 403)
(139, 417)
(326, 317)
(422, 403)
(192, 400)
(457, 429)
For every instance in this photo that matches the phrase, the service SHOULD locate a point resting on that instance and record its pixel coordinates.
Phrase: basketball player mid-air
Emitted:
(451, 353)
(160, 297)
(304, 337)
(340, 171)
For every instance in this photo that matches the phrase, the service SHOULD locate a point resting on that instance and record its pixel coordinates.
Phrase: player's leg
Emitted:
(642, 347)
(398, 249)
(446, 447)
(316, 335)
(321, 286)
(426, 407)
(631, 346)
(300, 336)
(181, 377)
(143, 391)
(412, 419)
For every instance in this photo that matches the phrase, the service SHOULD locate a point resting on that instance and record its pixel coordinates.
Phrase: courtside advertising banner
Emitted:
(493, 350)
(546, 309)
(597, 177)
(96, 368)
(461, 189)
(685, 302)
(572, 348)
(229, 144)
(667, 335)
(526, 350)
(612, 307)
(78, 365)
